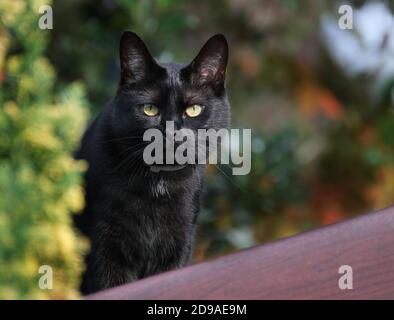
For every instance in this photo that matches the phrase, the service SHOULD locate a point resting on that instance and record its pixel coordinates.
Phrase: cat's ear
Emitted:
(210, 64)
(136, 62)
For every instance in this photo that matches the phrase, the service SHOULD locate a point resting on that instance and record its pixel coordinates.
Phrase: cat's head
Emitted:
(193, 96)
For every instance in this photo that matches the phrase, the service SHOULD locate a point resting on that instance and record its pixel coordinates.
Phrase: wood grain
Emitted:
(300, 267)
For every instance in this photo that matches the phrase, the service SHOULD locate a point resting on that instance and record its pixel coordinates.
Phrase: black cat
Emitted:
(142, 221)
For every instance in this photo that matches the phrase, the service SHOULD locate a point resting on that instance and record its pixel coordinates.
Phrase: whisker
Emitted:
(121, 139)
(131, 148)
(134, 173)
(223, 173)
(229, 179)
(128, 158)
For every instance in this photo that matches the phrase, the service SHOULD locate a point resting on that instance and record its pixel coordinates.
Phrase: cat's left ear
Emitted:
(209, 67)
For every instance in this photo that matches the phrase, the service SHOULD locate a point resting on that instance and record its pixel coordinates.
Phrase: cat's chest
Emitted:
(165, 237)
(167, 225)
(161, 226)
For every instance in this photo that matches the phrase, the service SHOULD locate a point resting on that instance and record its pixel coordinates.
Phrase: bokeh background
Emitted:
(319, 100)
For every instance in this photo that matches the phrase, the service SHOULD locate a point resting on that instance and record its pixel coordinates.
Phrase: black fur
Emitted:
(141, 223)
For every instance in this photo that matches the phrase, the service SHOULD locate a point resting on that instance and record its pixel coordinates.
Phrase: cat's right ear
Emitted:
(209, 67)
(136, 62)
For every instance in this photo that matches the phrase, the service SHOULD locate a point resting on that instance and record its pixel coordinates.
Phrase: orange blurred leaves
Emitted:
(314, 99)
(381, 194)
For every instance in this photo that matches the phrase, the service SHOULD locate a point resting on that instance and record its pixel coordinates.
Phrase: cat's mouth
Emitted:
(166, 167)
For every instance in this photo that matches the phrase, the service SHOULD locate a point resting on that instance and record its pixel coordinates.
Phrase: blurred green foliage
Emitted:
(322, 136)
(40, 183)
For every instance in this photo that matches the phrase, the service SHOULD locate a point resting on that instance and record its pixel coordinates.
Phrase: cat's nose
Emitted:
(172, 123)
(173, 132)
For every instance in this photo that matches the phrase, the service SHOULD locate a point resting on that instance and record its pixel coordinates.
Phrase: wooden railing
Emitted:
(305, 266)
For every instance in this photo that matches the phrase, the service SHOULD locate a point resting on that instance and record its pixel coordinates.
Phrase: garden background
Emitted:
(319, 101)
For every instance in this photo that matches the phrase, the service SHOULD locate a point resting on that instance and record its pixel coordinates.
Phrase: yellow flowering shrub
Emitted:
(40, 182)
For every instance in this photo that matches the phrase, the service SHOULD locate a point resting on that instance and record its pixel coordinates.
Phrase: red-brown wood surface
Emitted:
(300, 267)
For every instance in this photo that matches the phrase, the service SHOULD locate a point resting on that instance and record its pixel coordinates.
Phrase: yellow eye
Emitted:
(193, 110)
(151, 110)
